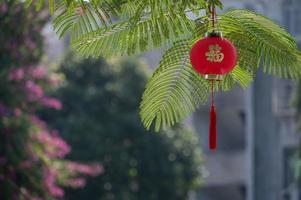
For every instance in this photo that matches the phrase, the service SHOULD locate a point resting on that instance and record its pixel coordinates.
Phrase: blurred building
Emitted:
(257, 136)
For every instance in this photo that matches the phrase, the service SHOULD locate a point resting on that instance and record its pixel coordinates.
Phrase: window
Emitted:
(283, 91)
(292, 16)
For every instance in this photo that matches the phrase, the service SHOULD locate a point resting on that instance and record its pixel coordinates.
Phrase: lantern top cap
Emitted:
(214, 34)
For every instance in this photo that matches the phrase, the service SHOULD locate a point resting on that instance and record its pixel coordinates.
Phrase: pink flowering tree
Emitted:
(32, 164)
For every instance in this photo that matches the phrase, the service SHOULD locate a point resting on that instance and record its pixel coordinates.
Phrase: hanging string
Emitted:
(212, 92)
(213, 17)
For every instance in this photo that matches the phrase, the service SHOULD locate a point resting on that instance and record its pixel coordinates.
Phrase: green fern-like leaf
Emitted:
(175, 89)
(127, 38)
(78, 19)
(258, 38)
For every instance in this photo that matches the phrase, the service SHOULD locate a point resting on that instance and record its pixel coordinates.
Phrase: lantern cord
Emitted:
(212, 92)
(213, 17)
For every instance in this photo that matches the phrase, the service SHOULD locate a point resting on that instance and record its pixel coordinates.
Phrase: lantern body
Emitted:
(213, 55)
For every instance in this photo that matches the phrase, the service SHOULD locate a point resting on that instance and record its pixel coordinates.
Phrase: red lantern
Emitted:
(213, 57)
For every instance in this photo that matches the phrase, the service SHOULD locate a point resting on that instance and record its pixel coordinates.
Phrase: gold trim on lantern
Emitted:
(214, 34)
(215, 77)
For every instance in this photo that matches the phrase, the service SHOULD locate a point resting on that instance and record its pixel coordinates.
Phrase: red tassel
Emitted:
(212, 129)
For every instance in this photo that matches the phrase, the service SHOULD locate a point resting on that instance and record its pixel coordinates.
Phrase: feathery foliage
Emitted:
(175, 89)
(262, 40)
(126, 38)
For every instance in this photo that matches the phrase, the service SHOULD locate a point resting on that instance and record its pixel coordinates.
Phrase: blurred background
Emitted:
(70, 126)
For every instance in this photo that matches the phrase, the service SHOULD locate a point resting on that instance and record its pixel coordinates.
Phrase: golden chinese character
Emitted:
(214, 54)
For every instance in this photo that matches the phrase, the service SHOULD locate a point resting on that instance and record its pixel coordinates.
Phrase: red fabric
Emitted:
(199, 59)
(212, 129)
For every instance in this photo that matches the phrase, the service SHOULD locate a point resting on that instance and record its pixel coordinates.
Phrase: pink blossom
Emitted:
(3, 109)
(24, 191)
(55, 147)
(93, 170)
(4, 8)
(18, 8)
(29, 43)
(36, 198)
(76, 182)
(49, 178)
(53, 144)
(13, 45)
(3, 160)
(38, 122)
(34, 157)
(43, 136)
(18, 112)
(57, 191)
(25, 164)
(98, 169)
(52, 103)
(16, 74)
(34, 91)
(54, 80)
(12, 173)
(61, 147)
(38, 72)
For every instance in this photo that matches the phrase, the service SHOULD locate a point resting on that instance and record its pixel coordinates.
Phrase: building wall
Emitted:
(256, 132)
